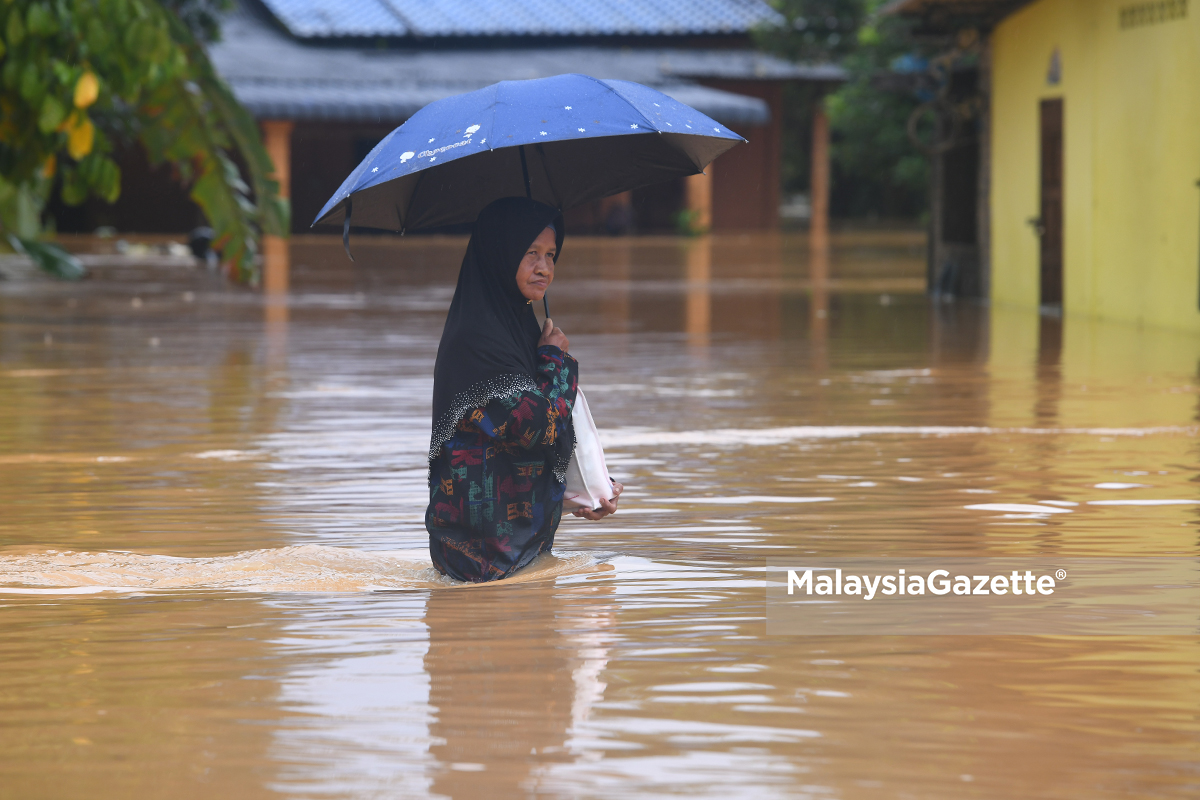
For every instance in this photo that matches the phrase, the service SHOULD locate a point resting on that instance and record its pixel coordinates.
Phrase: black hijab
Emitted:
(489, 345)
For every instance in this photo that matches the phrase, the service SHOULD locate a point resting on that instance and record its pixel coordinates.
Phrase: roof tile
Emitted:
(309, 19)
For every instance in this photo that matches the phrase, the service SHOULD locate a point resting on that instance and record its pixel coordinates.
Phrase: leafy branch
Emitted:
(75, 75)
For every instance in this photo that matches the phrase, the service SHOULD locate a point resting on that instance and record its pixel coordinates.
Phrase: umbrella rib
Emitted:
(650, 125)
(492, 126)
(346, 225)
(411, 197)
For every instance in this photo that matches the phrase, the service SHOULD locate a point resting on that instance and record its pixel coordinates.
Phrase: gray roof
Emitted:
(276, 76)
(457, 18)
(396, 103)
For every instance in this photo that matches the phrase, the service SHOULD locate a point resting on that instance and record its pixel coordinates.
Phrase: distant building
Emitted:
(329, 78)
(1085, 167)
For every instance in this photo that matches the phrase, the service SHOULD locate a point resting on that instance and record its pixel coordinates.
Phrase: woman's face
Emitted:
(536, 272)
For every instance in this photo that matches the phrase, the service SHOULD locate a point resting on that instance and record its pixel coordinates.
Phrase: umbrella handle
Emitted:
(546, 306)
(525, 173)
(346, 227)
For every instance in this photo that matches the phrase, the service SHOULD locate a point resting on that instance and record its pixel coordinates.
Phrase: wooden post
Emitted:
(818, 229)
(818, 237)
(277, 138)
(698, 199)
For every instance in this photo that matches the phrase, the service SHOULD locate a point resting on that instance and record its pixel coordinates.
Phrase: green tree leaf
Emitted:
(31, 83)
(74, 187)
(97, 35)
(51, 258)
(14, 29)
(52, 114)
(10, 75)
(40, 20)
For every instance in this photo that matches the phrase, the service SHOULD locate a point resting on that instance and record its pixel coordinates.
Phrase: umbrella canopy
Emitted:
(563, 141)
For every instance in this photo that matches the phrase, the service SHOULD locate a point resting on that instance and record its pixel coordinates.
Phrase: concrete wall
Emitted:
(1131, 159)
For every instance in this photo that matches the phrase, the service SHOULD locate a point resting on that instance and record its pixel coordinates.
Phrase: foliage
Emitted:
(877, 169)
(688, 222)
(49, 257)
(816, 30)
(78, 75)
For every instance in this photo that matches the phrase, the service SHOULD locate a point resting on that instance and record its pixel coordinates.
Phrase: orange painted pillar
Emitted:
(277, 138)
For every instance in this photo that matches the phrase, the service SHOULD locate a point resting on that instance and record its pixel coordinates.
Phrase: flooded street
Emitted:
(214, 579)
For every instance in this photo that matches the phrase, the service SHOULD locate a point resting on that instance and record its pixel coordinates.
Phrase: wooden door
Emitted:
(1051, 223)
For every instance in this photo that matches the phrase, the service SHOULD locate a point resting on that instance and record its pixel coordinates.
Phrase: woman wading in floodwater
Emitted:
(502, 397)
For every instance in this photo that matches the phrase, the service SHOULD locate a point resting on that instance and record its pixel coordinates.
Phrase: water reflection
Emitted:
(698, 320)
(357, 698)
(1049, 370)
(501, 686)
(463, 694)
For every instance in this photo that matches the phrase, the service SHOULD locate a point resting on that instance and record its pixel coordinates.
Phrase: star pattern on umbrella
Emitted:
(390, 165)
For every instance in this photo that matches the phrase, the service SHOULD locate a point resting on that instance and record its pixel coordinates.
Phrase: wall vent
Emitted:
(1139, 15)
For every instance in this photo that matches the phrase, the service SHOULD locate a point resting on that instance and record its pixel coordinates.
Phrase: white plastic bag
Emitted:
(587, 474)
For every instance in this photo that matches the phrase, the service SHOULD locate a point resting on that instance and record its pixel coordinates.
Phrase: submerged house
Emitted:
(1083, 171)
(328, 79)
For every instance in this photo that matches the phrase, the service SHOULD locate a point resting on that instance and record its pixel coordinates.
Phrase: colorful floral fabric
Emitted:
(494, 501)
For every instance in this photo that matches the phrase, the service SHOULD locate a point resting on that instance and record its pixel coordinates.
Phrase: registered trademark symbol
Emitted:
(1061, 574)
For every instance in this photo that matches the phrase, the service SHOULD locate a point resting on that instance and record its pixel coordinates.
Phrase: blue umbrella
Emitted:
(564, 141)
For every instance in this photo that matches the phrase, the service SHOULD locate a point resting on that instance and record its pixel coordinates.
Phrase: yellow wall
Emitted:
(1131, 134)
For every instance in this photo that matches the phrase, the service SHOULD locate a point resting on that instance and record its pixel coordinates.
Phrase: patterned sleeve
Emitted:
(531, 419)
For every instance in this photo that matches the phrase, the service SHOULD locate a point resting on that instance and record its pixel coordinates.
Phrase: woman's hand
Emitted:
(553, 336)
(606, 506)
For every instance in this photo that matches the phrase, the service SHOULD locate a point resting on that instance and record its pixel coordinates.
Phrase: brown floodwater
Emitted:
(214, 581)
